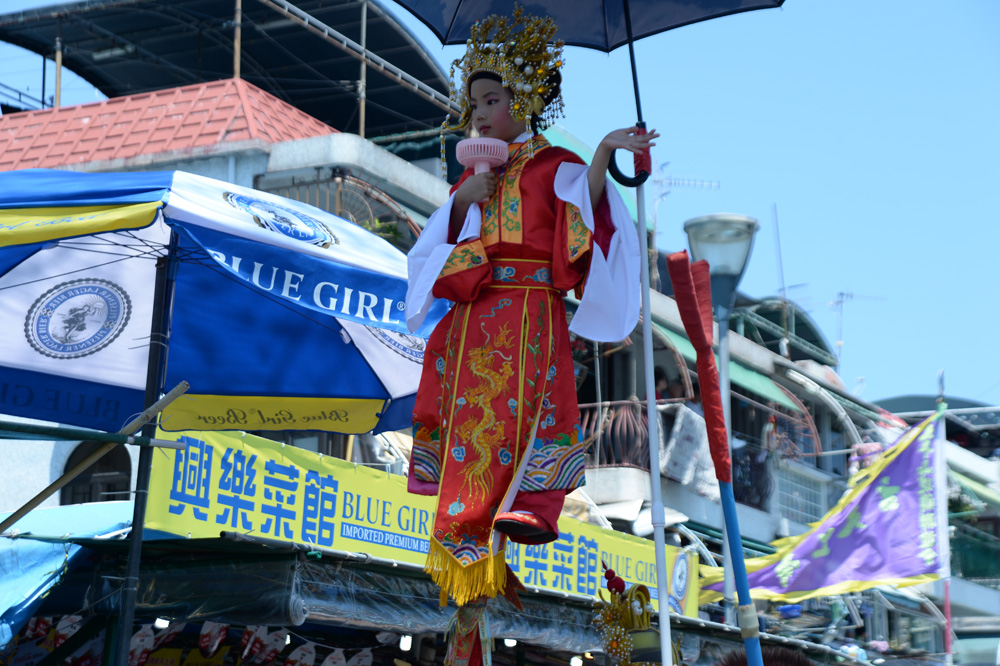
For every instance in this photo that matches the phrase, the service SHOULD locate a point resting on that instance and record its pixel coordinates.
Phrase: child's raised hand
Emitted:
(627, 139)
(478, 187)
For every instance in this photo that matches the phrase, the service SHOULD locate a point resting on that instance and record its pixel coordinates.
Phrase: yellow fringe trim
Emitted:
(486, 577)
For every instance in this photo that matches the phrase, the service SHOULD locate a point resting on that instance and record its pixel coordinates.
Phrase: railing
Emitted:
(800, 495)
(624, 442)
(975, 555)
(617, 434)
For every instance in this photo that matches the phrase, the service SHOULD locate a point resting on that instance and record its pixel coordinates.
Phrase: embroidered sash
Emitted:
(502, 213)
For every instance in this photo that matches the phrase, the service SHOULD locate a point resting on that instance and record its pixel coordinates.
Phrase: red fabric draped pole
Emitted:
(693, 293)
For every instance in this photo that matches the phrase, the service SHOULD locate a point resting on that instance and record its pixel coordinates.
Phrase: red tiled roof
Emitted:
(194, 116)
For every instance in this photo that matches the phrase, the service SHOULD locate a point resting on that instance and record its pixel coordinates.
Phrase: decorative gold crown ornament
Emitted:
(624, 623)
(521, 51)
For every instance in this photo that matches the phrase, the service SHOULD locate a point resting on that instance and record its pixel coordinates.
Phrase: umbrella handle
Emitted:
(628, 181)
(643, 165)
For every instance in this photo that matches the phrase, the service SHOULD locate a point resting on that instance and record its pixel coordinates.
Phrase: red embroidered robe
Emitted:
(496, 412)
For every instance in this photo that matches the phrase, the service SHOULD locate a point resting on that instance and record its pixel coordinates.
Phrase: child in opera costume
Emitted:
(496, 421)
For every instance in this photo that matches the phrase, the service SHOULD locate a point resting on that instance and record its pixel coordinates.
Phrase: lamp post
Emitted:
(725, 241)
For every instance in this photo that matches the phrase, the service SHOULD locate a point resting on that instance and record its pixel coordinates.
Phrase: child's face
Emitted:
(490, 103)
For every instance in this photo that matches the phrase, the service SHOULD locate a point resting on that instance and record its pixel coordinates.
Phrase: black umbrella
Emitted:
(592, 24)
(605, 25)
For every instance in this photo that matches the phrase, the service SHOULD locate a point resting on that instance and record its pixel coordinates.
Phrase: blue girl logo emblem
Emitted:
(679, 583)
(77, 318)
(409, 347)
(283, 220)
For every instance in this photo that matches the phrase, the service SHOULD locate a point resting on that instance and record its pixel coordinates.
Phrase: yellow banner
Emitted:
(21, 226)
(228, 412)
(166, 657)
(225, 481)
(195, 657)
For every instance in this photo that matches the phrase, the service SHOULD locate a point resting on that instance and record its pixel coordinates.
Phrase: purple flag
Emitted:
(883, 531)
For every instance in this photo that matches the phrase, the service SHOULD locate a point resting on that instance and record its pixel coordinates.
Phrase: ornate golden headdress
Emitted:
(521, 51)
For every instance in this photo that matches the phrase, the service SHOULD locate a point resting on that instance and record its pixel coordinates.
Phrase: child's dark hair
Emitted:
(772, 654)
(554, 83)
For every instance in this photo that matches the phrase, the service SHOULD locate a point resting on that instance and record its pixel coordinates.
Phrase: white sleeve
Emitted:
(609, 309)
(428, 256)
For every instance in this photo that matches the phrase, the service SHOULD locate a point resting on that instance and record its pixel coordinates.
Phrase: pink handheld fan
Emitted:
(481, 154)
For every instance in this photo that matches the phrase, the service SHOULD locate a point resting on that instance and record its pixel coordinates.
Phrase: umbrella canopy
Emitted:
(594, 24)
(603, 25)
(284, 317)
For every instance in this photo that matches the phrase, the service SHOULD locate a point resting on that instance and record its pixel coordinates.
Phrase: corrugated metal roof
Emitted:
(127, 47)
(190, 117)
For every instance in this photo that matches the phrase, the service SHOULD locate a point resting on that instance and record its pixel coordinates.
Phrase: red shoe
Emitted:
(524, 527)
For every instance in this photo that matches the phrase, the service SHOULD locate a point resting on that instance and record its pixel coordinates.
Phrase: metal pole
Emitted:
(657, 514)
(944, 533)
(600, 410)
(237, 38)
(363, 81)
(748, 623)
(729, 585)
(44, 70)
(354, 49)
(155, 376)
(59, 50)
(635, 76)
(93, 457)
(741, 613)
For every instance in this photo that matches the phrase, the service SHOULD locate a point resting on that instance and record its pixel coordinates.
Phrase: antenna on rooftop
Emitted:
(838, 306)
(784, 345)
(664, 186)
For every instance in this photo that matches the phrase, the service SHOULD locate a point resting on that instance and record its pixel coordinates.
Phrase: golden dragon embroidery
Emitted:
(487, 434)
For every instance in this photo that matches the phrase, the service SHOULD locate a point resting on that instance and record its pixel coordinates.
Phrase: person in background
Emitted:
(694, 404)
(661, 383)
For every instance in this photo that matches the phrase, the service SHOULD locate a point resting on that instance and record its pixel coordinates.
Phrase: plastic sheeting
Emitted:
(243, 583)
(684, 454)
(390, 600)
(254, 582)
(238, 590)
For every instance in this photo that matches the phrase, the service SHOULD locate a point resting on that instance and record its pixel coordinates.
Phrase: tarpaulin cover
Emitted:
(30, 568)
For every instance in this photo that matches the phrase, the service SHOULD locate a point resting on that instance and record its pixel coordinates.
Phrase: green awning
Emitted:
(856, 407)
(983, 493)
(756, 548)
(739, 374)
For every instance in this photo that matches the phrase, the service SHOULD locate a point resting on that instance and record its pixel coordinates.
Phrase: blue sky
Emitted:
(872, 128)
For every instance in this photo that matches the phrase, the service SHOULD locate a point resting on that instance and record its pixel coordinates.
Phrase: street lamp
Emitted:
(725, 241)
